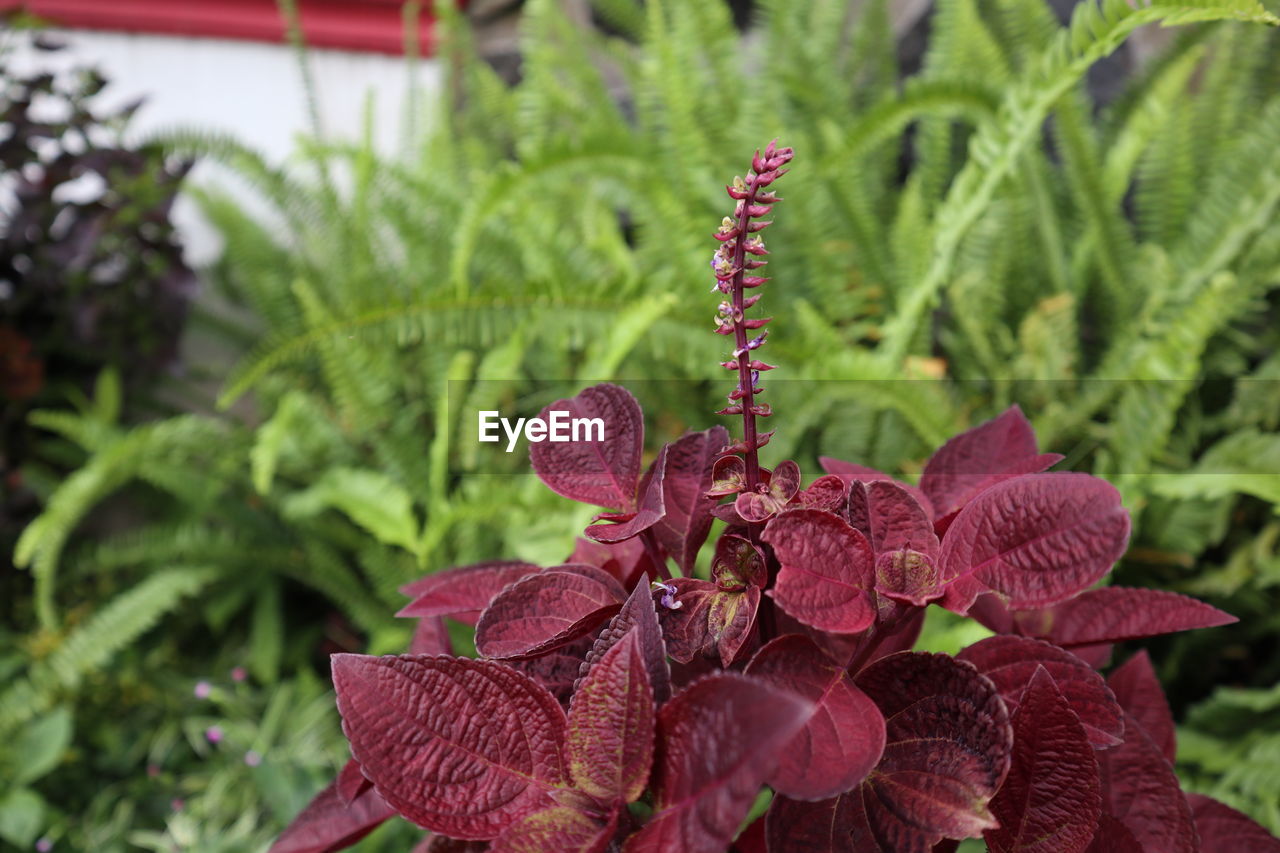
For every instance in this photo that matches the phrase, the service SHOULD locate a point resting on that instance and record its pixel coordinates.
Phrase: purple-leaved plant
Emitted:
(620, 706)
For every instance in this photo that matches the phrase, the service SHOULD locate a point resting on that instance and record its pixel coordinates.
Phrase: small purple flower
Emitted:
(203, 689)
(252, 758)
(44, 845)
(239, 674)
(213, 734)
(669, 595)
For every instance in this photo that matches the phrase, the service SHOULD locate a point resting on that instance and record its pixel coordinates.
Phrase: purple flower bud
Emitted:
(202, 689)
(44, 845)
(213, 734)
(252, 758)
(239, 674)
(669, 596)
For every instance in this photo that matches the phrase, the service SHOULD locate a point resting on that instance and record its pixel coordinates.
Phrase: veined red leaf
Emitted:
(908, 576)
(351, 782)
(827, 573)
(1224, 830)
(560, 829)
(330, 823)
(851, 473)
(783, 485)
(430, 637)
(687, 521)
(947, 748)
(547, 610)
(738, 563)
(625, 561)
(440, 844)
(638, 615)
(651, 509)
(1011, 662)
(828, 492)
(1113, 614)
(979, 458)
(461, 747)
(1112, 836)
(1051, 800)
(603, 473)
(728, 477)
(1036, 540)
(463, 592)
(891, 519)
(708, 619)
(718, 741)
(1140, 790)
(558, 669)
(611, 726)
(844, 736)
(1139, 693)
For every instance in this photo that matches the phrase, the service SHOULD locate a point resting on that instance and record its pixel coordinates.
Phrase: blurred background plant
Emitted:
(971, 223)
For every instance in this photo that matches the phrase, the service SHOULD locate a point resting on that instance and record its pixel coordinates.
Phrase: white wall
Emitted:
(251, 90)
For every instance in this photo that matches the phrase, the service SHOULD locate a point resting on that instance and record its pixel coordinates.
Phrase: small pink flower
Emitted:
(252, 758)
(213, 734)
(239, 674)
(44, 845)
(203, 689)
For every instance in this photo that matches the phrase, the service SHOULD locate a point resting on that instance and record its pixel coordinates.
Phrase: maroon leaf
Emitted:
(1113, 614)
(625, 561)
(1051, 800)
(908, 576)
(1224, 830)
(1011, 662)
(771, 499)
(560, 828)
(687, 521)
(948, 741)
(329, 823)
(1112, 836)
(719, 740)
(638, 614)
(651, 510)
(351, 783)
(603, 473)
(1036, 540)
(430, 637)
(611, 726)
(1140, 790)
(1139, 693)
(827, 493)
(827, 572)
(728, 477)
(463, 592)
(558, 669)
(979, 458)
(547, 610)
(752, 839)
(891, 519)
(461, 747)
(440, 844)
(738, 563)
(844, 736)
(707, 620)
(851, 473)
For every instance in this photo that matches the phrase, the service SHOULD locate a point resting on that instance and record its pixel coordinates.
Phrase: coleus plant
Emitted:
(622, 701)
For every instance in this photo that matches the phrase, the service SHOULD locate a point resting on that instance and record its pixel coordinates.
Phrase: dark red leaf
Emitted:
(603, 473)
(638, 614)
(687, 521)
(1224, 830)
(329, 823)
(625, 561)
(651, 509)
(1112, 836)
(1140, 790)
(1051, 800)
(611, 726)
(718, 741)
(558, 669)
(728, 477)
(560, 829)
(708, 620)
(738, 563)
(979, 458)
(1113, 614)
(827, 572)
(351, 782)
(463, 592)
(948, 742)
(891, 519)
(752, 839)
(908, 576)
(851, 473)
(461, 747)
(430, 637)
(827, 493)
(1011, 662)
(1036, 540)
(440, 844)
(1139, 693)
(783, 485)
(547, 610)
(844, 736)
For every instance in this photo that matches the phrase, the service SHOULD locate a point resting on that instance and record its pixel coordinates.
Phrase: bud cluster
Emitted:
(735, 263)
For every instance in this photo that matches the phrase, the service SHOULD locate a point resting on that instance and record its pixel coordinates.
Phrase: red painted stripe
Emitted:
(372, 25)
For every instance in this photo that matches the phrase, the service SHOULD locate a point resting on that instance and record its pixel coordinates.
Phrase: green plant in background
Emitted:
(981, 224)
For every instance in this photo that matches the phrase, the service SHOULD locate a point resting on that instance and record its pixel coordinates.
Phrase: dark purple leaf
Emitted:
(1051, 800)
(351, 782)
(827, 572)
(891, 519)
(687, 521)
(738, 563)
(650, 511)
(461, 747)
(638, 614)
(708, 620)
(603, 473)
(1139, 693)
(728, 477)
(850, 473)
(558, 669)
(844, 736)
(829, 493)
(611, 726)
(1224, 830)
(1112, 836)
(329, 823)
(771, 499)
(430, 637)
(547, 610)
(1113, 614)
(1140, 790)
(463, 592)
(560, 829)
